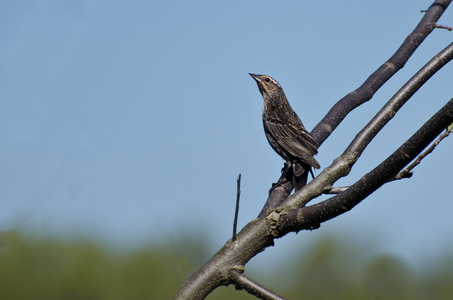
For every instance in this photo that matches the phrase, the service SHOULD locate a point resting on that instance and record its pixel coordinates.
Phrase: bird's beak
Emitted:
(257, 78)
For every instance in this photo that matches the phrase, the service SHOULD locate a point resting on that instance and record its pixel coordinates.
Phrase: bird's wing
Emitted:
(294, 139)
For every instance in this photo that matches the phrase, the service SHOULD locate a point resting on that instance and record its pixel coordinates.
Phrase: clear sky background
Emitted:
(129, 121)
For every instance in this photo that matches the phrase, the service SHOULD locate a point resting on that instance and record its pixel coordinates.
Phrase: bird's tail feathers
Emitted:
(300, 175)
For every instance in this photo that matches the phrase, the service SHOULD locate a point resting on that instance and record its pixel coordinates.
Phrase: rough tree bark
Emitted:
(284, 213)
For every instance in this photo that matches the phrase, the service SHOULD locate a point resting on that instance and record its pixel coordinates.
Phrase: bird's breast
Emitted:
(269, 111)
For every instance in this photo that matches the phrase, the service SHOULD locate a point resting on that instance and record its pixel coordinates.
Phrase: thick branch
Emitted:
(261, 232)
(407, 172)
(304, 218)
(252, 239)
(342, 165)
(364, 93)
(361, 95)
(364, 137)
(276, 196)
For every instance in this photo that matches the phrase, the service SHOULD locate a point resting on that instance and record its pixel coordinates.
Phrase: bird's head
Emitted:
(267, 85)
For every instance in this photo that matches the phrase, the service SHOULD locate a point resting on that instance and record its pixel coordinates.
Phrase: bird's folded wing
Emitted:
(294, 139)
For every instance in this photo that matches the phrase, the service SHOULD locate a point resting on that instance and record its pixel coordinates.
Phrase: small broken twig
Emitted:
(243, 282)
(443, 27)
(236, 212)
(436, 25)
(335, 190)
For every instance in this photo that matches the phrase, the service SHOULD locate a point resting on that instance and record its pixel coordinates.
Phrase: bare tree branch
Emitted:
(303, 218)
(261, 232)
(407, 172)
(443, 27)
(236, 211)
(253, 288)
(399, 99)
(274, 222)
(342, 165)
(364, 93)
(335, 190)
(381, 75)
(276, 196)
(252, 239)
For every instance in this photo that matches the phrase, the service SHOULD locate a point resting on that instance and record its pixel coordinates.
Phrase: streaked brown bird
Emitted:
(286, 133)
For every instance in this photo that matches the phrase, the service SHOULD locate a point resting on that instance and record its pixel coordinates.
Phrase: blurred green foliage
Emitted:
(57, 269)
(50, 268)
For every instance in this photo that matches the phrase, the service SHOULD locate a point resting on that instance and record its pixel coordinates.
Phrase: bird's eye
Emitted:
(267, 80)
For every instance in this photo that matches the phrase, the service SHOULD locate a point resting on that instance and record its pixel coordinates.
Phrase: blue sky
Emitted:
(129, 121)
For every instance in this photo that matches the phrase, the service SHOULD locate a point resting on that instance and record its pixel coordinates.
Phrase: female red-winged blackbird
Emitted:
(285, 131)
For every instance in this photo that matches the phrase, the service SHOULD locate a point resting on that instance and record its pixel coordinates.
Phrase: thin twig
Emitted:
(236, 212)
(407, 173)
(443, 27)
(243, 282)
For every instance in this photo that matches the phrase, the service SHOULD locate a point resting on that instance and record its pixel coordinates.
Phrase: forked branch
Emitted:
(303, 218)
(344, 162)
(407, 172)
(361, 95)
(364, 93)
(260, 233)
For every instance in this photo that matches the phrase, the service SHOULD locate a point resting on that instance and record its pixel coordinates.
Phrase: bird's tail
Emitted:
(300, 175)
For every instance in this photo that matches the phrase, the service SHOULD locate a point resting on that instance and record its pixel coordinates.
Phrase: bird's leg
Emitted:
(285, 177)
(286, 168)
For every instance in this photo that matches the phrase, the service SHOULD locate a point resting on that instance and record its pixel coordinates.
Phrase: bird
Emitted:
(285, 133)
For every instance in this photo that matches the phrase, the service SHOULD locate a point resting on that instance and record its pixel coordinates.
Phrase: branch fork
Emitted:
(283, 213)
